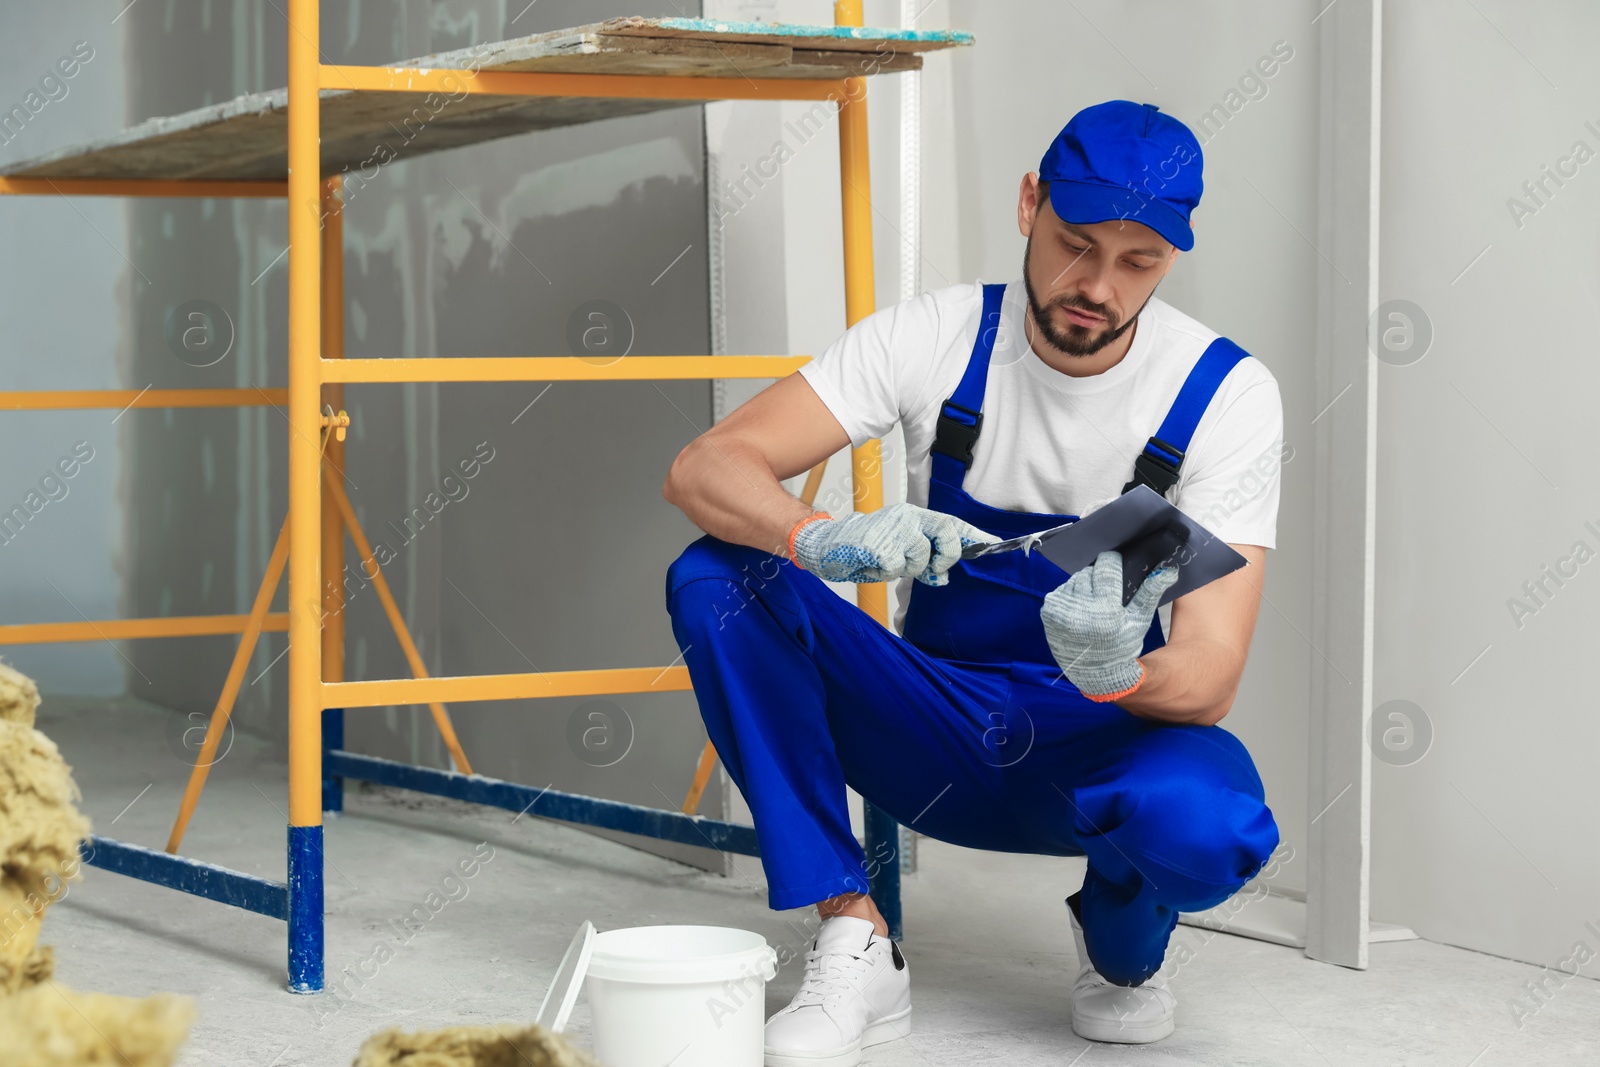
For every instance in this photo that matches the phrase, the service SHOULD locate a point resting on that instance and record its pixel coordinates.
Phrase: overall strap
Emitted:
(1158, 465)
(961, 415)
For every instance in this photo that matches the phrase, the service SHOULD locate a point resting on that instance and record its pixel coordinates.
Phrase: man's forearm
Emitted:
(727, 489)
(1186, 682)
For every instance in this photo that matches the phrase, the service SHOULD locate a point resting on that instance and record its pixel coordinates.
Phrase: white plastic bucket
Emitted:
(691, 996)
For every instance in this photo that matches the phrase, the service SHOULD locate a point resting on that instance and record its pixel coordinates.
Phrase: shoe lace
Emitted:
(831, 976)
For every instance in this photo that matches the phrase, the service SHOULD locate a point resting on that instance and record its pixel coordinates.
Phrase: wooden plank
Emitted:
(833, 38)
(245, 138)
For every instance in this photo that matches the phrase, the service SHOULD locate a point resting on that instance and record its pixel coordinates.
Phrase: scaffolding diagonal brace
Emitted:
(230, 688)
(441, 717)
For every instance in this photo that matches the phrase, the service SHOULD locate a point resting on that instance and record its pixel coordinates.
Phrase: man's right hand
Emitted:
(899, 541)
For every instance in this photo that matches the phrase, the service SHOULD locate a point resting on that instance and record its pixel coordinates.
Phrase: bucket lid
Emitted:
(568, 980)
(673, 955)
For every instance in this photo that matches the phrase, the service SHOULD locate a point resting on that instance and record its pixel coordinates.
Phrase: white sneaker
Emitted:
(856, 993)
(1104, 1011)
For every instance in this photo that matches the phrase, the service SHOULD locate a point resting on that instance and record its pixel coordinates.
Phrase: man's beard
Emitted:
(1075, 340)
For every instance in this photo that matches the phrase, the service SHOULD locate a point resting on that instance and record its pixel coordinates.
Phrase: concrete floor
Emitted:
(986, 936)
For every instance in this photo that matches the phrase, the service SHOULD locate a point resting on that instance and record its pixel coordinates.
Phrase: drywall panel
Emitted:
(65, 276)
(548, 550)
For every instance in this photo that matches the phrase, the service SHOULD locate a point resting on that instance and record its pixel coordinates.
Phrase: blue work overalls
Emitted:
(965, 729)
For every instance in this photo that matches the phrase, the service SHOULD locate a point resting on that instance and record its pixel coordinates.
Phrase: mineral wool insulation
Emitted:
(43, 1023)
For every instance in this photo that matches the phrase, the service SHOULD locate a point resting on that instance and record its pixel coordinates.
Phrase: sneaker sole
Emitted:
(878, 1033)
(1122, 1033)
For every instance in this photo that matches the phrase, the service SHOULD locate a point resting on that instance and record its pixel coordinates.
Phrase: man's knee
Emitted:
(1216, 835)
(709, 557)
(712, 578)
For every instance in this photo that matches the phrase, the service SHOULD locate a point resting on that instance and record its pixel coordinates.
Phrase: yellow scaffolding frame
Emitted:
(319, 513)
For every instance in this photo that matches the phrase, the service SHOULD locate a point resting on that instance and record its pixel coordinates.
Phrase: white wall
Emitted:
(1486, 477)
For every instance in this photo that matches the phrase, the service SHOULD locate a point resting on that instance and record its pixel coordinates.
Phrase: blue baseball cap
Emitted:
(1121, 160)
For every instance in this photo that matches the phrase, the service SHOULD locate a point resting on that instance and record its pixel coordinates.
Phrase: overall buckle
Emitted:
(1154, 470)
(955, 438)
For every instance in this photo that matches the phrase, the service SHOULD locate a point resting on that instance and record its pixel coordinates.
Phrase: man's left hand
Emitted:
(1094, 637)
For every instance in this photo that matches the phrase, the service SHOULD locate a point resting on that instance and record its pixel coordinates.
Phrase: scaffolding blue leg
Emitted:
(305, 909)
(332, 741)
(883, 864)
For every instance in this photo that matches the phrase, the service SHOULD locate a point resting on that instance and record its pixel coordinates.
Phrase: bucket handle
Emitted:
(769, 964)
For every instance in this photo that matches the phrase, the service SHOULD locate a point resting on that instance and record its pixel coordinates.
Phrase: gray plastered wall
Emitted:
(552, 556)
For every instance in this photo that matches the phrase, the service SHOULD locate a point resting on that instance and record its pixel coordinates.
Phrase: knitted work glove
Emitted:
(899, 541)
(1093, 637)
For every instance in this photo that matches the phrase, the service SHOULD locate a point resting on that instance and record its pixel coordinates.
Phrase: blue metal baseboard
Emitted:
(547, 803)
(207, 880)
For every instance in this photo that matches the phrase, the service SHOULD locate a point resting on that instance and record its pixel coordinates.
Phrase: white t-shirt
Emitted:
(1052, 442)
